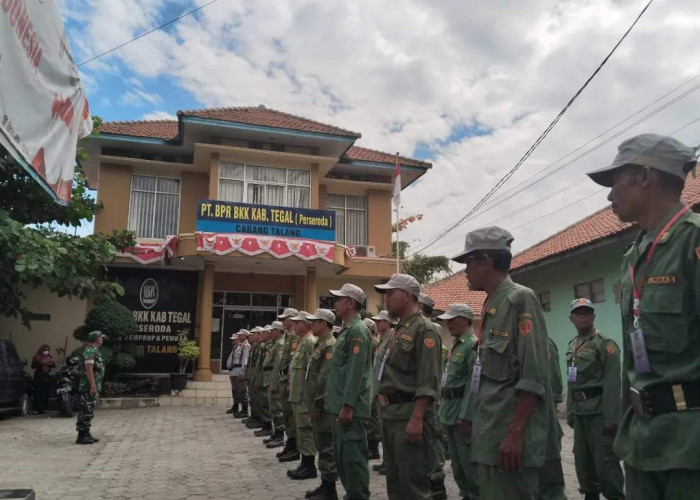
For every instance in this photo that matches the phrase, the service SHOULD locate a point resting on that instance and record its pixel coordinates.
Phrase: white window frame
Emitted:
(287, 184)
(346, 209)
(155, 192)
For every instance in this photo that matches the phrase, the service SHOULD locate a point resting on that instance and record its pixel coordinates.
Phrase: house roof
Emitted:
(364, 154)
(599, 226)
(155, 129)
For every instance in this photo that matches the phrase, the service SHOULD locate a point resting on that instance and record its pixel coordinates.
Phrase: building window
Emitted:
(258, 185)
(350, 218)
(154, 207)
(591, 290)
(546, 300)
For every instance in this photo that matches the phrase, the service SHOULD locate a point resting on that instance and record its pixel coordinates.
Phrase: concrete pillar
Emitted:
(203, 373)
(214, 177)
(311, 303)
(315, 179)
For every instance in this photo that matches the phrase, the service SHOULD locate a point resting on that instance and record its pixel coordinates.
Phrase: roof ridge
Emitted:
(448, 277)
(138, 121)
(390, 154)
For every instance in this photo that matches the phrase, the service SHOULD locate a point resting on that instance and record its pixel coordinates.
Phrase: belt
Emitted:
(395, 398)
(666, 398)
(267, 368)
(453, 393)
(584, 394)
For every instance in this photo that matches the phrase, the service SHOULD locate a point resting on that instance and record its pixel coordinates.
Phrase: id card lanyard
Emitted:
(639, 351)
(573, 369)
(387, 351)
(476, 371)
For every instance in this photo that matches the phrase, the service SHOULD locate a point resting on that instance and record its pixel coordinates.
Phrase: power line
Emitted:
(542, 136)
(560, 209)
(148, 32)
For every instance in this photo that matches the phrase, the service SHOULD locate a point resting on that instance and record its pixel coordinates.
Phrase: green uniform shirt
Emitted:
(350, 378)
(299, 365)
(555, 373)
(513, 355)
(375, 345)
(259, 360)
(378, 357)
(669, 321)
(597, 362)
(250, 370)
(319, 368)
(278, 349)
(413, 365)
(269, 362)
(291, 340)
(91, 353)
(458, 371)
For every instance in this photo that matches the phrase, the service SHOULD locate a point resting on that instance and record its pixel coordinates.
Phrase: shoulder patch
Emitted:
(610, 348)
(429, 342)
(356, 349)
(525, 326)
(407, 338)
(492, 311)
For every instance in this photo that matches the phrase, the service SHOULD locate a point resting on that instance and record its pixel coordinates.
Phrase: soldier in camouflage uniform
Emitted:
(92, 373)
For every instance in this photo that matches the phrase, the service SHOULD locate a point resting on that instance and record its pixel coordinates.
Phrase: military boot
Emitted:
(378, 467)
(327, 492)
(84, 438)
(233, 409)
(373, 449)
(291, 444)
(307, 469)
(315, 491)
(243, 413)
(254, 424)
(591, 496)
(291, 455)
(276, 440)
(266, 430)
(94, 439)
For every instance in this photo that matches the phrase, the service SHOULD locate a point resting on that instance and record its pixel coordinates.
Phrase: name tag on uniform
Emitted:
(476, 378)
(443, 382)
(381, 370)
(639, 352)
(571, 374)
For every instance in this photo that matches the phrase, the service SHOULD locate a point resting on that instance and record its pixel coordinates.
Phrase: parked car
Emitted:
(15, 384)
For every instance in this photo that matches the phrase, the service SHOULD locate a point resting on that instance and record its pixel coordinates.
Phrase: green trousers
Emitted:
(263, 404)
(597, 467)
(275, 404)
(374, 432)
(408, 465)
(551, 476)
(678, 484)
(350, 447)
(287, 413)
(437, 458)
(466, 472)
(254, 403)
(323, 437)
(304, 430)
(499, 485)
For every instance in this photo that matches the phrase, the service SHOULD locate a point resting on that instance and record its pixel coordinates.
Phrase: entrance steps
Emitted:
(214, 393)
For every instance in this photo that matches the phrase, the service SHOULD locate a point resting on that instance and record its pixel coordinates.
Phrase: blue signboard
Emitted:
(228, 217)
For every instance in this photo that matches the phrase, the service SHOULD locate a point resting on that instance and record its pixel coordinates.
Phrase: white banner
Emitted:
(43, 108)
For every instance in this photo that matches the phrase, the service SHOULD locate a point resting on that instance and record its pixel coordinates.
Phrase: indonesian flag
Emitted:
(397, 183)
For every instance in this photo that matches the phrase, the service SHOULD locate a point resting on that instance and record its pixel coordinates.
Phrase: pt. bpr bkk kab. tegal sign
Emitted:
(286, 222)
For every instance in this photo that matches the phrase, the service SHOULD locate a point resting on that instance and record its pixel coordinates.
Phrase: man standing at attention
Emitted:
(659, 433)
(593, 404)
(348, 395)
(237, 374)
(384, 324)
(408, 383)
(513, 430)
(290, 450)
(276, 413)
(89, 387)
(453, 409)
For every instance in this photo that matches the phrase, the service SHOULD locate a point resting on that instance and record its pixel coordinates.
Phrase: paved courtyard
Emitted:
(167, 453)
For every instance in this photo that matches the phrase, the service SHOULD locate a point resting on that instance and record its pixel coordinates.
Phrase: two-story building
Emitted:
(239, 212)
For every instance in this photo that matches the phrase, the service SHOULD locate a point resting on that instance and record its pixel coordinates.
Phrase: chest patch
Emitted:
(661, 280)
(525, 326)
(429, 343)
(407, 338)
(499, 333)
(459, 354)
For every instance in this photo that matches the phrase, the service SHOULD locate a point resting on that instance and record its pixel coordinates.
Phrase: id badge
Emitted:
(476, 378)
(639, 352)
(443, 382)
(571, 373)
(381, 370)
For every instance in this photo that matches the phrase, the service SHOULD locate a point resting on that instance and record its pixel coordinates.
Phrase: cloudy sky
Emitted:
(467, 85)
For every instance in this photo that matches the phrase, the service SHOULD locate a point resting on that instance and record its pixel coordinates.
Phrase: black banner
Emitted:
(164, 304)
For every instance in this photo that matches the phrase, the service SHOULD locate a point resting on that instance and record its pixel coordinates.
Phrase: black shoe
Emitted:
(84, 438)
(374, 455)
(591, 496)
(266, 430)
(306, 470)
(243, 413)
(324, 492)
(269, 439)
(255, 425)
(382, 471)
(290, 456)
(233, 409)
(291, 444)
(373, 450)
(275, 443)
(315, 491)
(296, 469)
(378, 467)
(250, 419)
(94, 439)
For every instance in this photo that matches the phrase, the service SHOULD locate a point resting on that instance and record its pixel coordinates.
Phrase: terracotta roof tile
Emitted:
(596, 227)
(266, 117)
(156, 129)
(364, 154)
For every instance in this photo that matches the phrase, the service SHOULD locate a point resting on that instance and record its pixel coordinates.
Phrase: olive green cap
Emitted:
(483, 239)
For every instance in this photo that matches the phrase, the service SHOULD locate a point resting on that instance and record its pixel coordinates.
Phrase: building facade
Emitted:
(239, 212)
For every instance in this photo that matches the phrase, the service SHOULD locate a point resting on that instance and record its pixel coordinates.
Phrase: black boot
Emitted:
(94, 439)
(378, 467)
(233, 409)
(317, 490)
(291, 444)
(373, 449)
(327, 492)
(276, 440)
(591, 496)
(299, 466)
(307, 470)
(254, 423)
(266, 430)
(243, 413)
(84, 438)
(291, 455)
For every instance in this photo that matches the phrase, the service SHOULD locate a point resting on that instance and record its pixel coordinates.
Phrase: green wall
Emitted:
(559, 278)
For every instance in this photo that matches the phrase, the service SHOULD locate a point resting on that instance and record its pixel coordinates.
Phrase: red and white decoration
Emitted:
(248, 244)
(150, 253)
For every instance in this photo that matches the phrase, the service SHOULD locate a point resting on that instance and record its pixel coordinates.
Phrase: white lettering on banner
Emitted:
(43, 108)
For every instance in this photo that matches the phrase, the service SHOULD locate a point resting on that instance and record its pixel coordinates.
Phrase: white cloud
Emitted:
(138, 97)
(159, 115)
(413, 74)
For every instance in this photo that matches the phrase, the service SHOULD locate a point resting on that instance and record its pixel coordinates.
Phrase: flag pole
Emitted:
(398, 228)
(397, 200)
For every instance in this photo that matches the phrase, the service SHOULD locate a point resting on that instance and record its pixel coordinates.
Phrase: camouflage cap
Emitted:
(426, 300)
(370, 324)
(96, 334)
(288, 313)
(384, 316)
(324, 314)
(302, 316)
(659, 152)
(277, 325)
(350, 290)
(486, 238)
(455, 310)
(404, 282)
(578, 303)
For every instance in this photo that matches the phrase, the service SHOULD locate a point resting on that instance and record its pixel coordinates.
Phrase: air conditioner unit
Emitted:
(365, 251)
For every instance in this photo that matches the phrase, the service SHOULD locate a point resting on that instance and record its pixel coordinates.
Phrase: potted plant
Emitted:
(187, 351)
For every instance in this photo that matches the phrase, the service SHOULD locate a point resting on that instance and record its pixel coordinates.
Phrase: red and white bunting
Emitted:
(150, 253)
(281, 248)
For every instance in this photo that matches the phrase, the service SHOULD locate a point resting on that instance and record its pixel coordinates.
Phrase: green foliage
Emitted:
(107, 355)
(424, 268)
(123, 362)
(81, 333)
(112, 319)
(187, 351)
